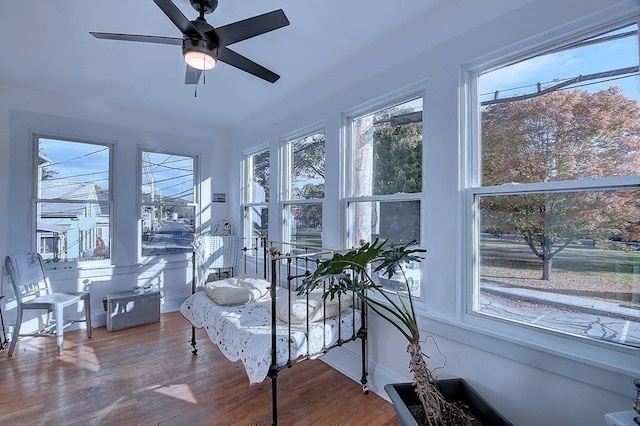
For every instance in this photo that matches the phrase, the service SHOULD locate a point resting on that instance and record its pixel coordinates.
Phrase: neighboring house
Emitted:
(69, 230)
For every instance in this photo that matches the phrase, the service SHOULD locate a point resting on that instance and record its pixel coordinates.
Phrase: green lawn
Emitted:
(603, 274)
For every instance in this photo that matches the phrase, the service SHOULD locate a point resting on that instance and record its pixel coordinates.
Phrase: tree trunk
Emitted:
(547, 262)
(439, 412)
(363, 180)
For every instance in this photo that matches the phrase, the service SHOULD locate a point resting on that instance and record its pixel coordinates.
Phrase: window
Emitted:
(556, 225)
(168, 203)
(73, 200)
(385, 184)
(256, 194)
(303, 167)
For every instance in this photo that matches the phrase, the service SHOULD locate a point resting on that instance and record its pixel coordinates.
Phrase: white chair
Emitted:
(32, 290)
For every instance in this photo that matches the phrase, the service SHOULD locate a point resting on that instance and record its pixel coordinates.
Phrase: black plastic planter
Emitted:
(403, 397)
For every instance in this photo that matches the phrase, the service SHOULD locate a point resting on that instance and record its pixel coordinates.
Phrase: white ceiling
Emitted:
(46, 46)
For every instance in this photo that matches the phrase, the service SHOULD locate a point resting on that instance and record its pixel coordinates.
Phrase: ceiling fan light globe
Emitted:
(199, 54)
(200, 60)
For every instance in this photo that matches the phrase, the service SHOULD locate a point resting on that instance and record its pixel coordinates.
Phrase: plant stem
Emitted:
(439, 412)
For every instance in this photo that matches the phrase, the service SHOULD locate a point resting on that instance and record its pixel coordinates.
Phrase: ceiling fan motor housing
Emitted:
(199, 45)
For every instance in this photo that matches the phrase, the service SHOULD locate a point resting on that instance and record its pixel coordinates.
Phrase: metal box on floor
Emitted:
(128, 309)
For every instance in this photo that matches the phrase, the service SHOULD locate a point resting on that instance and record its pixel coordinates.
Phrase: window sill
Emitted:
(79, 265)
(607, 366)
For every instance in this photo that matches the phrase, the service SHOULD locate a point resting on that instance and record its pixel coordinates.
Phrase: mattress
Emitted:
(243, 333)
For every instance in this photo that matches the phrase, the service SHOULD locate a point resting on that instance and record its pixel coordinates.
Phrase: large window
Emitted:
(255, 206)
(556, 189)
(73, 200)
(385, 182)
(303, 191)
(168, 203)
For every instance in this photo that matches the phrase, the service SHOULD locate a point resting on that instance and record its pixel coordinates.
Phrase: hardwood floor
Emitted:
(147, 375)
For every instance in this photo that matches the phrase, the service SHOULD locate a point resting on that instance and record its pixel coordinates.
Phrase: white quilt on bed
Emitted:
(244, 332)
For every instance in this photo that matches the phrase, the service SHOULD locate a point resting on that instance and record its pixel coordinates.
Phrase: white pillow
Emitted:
(237, 290)
(316, 309)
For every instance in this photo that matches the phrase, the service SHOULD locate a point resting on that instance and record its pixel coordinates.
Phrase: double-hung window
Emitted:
(384, 183)
(255, 208)
(168, 200)
(555, 188)
(73, 200)
(303, 189)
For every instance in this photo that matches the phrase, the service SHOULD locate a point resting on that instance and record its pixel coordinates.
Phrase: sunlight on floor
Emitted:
(115, 406)
(80, 355)
(182, 392)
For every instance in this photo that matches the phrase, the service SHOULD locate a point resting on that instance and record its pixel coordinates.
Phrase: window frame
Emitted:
(550, 344)
(35, 239)
(195, 204)
(285, 199)
(407, 94)
(247, 189)
(348, 177)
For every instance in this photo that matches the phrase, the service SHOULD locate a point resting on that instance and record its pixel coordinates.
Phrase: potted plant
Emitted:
(354, 271)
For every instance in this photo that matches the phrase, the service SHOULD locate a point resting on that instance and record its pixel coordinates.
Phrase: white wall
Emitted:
(23, 112)
(532, 377)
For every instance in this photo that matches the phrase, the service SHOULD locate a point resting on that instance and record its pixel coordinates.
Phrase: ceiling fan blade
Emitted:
(178, 19)
(251, 27)
(234, 59)
(137, 37)
(192, 76)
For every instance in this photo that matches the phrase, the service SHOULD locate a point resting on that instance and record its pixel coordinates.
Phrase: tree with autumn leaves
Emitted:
(562, 136)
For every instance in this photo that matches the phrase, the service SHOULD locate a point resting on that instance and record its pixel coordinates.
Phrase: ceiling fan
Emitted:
(204, 45)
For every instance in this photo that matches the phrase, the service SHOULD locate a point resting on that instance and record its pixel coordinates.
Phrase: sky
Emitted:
(76, 162)
(171, 175)
(553, 68)
(85, 162)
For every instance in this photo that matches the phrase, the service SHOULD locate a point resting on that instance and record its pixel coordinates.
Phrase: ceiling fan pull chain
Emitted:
(195, 90)
(204, 60)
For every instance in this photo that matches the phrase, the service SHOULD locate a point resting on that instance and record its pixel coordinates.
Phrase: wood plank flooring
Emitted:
(146, 375)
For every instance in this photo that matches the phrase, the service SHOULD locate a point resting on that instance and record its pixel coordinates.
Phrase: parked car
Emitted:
(397, 281)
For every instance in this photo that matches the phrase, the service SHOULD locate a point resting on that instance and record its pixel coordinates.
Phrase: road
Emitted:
(171, 237)
(582, 317)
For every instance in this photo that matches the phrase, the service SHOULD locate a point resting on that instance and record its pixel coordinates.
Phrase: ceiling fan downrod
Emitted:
(204, 7)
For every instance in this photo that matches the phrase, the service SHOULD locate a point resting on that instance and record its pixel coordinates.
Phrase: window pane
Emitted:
(405, 278)
(259, 178)
(307, 167)
(569, 114)
(167, 210)
(397, 221)
(167, 229)
(387, 150)
(256, 194)
(304, 224)
(564, 261)
(72, 214)
(73, 231)
(72, 170)
(167, 178)
(256, 219)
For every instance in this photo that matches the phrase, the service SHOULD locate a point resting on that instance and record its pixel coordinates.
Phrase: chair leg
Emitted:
(58, 311)
(16, 332)
(87, 315)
